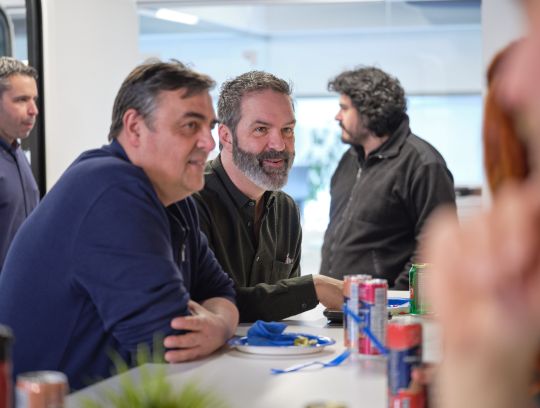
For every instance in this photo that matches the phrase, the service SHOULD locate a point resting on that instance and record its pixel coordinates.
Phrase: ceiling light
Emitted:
(176, 16)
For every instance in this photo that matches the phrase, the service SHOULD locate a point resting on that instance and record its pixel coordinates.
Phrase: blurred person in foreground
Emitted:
(385, 186)
(252, 226)
(486, 277)
(113, 256)
(19, 193)
(505, 154)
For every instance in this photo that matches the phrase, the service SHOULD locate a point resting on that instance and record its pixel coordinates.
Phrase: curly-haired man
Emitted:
(385, 185)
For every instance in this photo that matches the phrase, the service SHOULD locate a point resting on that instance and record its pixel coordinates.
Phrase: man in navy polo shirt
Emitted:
(18, 111)
(113, 255)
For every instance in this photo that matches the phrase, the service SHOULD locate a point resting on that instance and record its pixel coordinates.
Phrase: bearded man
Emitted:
(385, 186)
(252, 226)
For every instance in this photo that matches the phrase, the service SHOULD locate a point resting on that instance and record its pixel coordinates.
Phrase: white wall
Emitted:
(434, 61)
(502, 22)
(89, 48)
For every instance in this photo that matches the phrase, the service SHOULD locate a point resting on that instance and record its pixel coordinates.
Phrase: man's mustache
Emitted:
(274, 154)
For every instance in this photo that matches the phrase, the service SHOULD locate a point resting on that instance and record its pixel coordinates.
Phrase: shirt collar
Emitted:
(388, 149)
(117, 149)
(10, 148)
(392, 146)
(239, 198)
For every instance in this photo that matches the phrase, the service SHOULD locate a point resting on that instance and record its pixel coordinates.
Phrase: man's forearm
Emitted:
(226, 310)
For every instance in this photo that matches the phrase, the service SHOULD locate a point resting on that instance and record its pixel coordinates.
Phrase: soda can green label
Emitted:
(418, 289)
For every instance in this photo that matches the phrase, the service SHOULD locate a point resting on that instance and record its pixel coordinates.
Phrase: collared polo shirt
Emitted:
(264, 267)
(19, 193)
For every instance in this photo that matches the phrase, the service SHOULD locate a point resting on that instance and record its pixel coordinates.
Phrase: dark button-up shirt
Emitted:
(19, 193)
(266, 267)
(379, 205)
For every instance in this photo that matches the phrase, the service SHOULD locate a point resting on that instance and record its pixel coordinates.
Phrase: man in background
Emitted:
(385, 186)
(19, 193)
(113, 256)
(252, 226)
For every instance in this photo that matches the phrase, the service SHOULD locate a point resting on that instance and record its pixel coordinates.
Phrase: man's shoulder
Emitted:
(101, 165)
(423, 152)
(284, 199)
(94, 173)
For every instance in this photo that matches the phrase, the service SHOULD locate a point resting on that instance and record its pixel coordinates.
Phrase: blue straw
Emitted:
(366, 330)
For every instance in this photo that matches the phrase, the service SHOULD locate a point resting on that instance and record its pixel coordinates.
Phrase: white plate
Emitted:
(240, 343)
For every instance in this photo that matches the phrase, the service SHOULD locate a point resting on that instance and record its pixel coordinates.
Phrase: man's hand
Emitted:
(329, 291)
(210, 326)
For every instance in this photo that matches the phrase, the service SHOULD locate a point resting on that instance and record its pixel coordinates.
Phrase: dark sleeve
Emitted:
(285, 298)
(432, 186)
(124, 263)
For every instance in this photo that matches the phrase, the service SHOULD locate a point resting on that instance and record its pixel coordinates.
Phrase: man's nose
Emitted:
(206, 141)
(276, 141)
(32, 108)
(338, 116)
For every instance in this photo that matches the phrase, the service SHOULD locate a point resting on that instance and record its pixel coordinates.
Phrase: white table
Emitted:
(244, 380)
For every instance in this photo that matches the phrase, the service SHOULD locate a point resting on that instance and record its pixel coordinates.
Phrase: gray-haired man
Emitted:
(19, 193)
(252, 226)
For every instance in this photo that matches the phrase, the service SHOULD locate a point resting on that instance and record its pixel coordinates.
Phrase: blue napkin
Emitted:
(271, 334)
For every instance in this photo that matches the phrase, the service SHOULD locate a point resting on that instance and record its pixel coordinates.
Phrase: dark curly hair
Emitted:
(378, 97)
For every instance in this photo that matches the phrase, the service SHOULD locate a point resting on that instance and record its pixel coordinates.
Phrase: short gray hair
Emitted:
(10, 66)
(377, 96)
(232, 92)
(142, 86)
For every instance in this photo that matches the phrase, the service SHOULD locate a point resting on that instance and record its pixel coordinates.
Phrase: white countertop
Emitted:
(244, 380)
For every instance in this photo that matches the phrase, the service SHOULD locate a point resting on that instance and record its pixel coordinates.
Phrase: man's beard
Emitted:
(355, 137)
(251, 164)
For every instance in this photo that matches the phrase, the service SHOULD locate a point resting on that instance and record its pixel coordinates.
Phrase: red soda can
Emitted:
(41, 389)
(404, 343)
(374, 309)
(351, 298)
(6, 339)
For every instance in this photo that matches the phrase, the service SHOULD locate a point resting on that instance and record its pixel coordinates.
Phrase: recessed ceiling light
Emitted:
(176, 16)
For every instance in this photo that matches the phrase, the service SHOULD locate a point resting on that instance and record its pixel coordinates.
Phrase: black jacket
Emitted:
(379, 205)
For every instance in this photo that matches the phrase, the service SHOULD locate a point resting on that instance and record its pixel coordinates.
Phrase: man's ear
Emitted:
(225, 137)
(132, 122)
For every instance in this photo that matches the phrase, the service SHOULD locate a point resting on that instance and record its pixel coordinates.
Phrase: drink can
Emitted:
(351, 298)
(418, 289)
(404, 343)
(6, 339)
(41, 389)
(373, 299)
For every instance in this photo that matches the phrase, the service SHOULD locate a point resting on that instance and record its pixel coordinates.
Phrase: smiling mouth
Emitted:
(273, 162)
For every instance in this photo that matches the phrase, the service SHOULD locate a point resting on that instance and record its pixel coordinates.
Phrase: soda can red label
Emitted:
(373, 307)
(351, 298)
(404, 344)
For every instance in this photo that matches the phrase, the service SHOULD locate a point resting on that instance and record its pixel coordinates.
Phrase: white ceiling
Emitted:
(291, 17)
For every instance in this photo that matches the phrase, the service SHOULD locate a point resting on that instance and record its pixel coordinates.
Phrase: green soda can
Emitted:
(417, 288)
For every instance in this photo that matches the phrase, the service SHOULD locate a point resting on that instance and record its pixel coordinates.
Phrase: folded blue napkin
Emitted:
(271, 334)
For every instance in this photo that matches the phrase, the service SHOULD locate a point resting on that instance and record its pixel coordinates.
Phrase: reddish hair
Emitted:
(505, 155)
